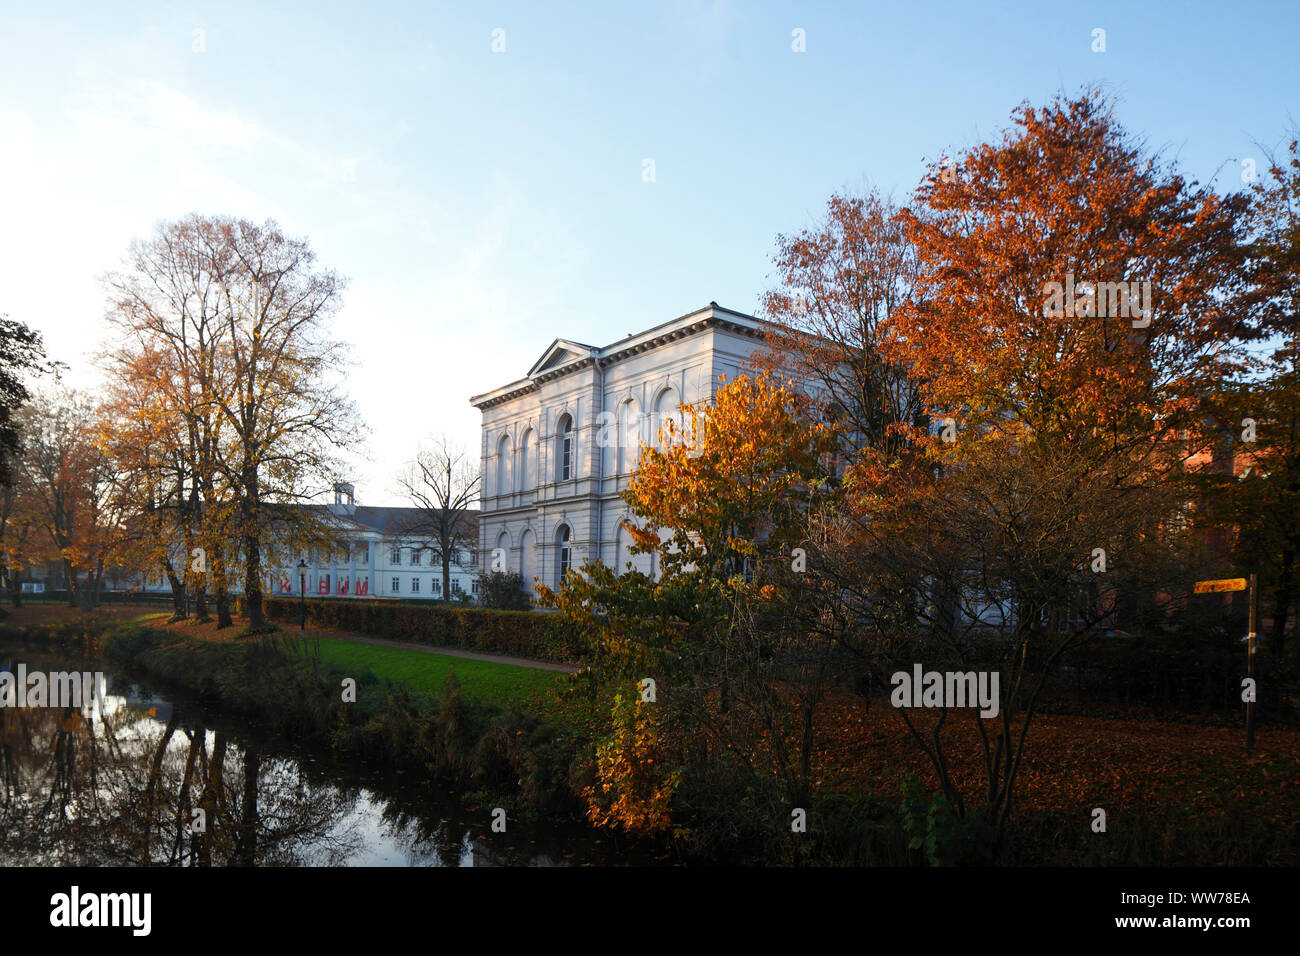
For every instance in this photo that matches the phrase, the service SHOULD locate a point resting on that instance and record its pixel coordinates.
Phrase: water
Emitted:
(155, 781)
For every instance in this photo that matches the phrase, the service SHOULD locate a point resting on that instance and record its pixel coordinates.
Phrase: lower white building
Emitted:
(560, 443)
(383, 557)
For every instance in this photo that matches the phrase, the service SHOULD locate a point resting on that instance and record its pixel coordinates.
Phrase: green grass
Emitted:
(151, 616)
(424, 673)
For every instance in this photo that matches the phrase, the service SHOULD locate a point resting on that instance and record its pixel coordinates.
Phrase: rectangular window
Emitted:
(475, 586)
(415, 585)
(415, 558)
(437, 586)
(397, 585)
(395, 556)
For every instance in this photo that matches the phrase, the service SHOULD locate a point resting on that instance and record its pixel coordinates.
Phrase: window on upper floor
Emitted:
(416, 557)
(503, 466)
(564, 465)
(527, 478)
(395, 556)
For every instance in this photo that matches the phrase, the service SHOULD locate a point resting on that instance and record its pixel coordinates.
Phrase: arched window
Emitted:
(562, 552)
(527, 562)
(526, 476)
(622, 554)
(667, 409)
(564, 463)
(503, 465)
(502, 552)
(629, 438)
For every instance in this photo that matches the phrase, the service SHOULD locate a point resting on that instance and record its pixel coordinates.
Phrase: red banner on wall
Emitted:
(363, 587)
(343, 585)
(324, 586)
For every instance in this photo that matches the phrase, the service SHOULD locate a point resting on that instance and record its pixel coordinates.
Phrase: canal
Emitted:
(160, 781)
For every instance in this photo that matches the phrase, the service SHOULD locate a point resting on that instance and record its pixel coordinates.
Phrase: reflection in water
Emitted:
(150, 783)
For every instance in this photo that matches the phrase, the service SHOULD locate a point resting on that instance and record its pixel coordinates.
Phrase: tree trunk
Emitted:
(14, 587)
(253, 581)
(69, 582)
(178, 590)
(224, 616)
(446, 575)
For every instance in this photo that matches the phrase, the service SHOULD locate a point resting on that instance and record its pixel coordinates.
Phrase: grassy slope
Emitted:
(425, 673)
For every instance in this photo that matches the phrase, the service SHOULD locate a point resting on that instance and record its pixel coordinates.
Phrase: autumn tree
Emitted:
(162, 373)
(22, 354)
(1078, 301)
(442, 482)
(237, 315)
(840, 284)
(68, 480)
(1260, 416)
(723, 504)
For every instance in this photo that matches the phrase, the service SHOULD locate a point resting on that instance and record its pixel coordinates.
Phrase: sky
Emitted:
(478, 171)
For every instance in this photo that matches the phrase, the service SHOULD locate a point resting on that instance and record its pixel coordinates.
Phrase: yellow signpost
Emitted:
(1239, 584)
(1224, 584)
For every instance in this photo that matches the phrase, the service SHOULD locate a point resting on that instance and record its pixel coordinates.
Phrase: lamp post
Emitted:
(302, 594)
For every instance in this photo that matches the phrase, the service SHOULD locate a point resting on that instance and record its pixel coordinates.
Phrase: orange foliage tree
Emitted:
(721, 504)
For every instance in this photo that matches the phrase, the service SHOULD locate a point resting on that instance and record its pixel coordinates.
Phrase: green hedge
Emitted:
(520, 633)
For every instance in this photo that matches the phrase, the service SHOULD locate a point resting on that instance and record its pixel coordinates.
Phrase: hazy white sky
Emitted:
(483, 203)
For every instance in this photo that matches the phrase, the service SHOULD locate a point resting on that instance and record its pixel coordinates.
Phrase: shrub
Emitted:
(503, 591)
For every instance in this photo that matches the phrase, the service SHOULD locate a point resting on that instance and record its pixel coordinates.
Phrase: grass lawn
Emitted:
(425, 673)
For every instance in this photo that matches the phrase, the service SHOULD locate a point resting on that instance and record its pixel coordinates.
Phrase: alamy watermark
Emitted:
(85, 690)
(1090, 299)
(922, 688)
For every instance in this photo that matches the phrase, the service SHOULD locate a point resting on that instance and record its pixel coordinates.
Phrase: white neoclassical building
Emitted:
(384, 556)
(560, 443)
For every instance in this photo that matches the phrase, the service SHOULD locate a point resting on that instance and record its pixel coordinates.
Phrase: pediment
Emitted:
(561, 352)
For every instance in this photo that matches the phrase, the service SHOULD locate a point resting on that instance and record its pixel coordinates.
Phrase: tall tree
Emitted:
(442, 483)
(22, 353)
(1080, 305)
(240, 312)
(69, 481)
(722, 504)
(1262, 414)
(841, 283)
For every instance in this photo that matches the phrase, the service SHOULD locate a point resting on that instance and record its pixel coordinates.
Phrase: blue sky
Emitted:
(484, 203)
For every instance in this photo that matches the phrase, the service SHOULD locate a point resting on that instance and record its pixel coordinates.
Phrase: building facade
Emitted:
(382, 558)
(559, 444)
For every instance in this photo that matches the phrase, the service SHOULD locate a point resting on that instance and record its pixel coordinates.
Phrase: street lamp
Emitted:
(302, 594)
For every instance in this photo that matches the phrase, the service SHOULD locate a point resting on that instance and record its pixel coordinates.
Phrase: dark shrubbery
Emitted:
(539, 636)
(503, 591)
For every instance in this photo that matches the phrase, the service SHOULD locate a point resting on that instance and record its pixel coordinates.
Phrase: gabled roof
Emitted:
(560, 352)
(565, 356)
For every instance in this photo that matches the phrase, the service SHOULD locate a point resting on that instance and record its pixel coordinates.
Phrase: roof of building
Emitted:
(383, 519)
(564, 356)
